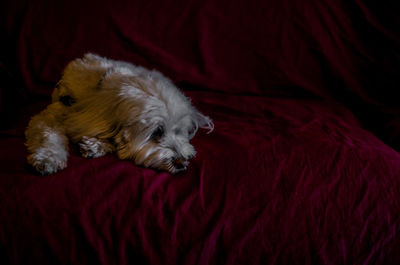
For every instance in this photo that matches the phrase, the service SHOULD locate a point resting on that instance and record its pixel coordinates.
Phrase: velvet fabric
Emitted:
(302, 167)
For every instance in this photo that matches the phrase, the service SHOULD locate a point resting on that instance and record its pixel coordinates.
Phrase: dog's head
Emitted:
(147, 118)
(157, 134)
(156, 122)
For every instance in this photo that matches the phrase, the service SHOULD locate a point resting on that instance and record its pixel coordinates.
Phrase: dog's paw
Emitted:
(47, 162)
(93, 147)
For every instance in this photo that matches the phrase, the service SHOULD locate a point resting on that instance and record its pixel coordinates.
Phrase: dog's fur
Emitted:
(113, 106)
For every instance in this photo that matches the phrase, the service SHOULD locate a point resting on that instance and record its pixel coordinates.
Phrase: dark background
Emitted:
(301, 168)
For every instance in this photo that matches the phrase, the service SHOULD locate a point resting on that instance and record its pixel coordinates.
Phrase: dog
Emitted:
(108, 106)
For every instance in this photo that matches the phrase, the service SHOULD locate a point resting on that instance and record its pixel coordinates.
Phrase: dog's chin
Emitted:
(175, 168)
(172, 165)
(164, 159)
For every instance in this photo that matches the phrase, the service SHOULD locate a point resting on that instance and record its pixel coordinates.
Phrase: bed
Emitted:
(302, 166)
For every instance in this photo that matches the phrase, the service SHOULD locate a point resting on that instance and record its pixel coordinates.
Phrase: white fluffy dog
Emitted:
(113, 106)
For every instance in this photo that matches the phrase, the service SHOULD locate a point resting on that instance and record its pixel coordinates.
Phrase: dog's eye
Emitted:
(158, 133)
(67, 100)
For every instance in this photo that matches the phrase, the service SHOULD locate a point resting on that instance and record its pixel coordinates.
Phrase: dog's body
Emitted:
(113, 106)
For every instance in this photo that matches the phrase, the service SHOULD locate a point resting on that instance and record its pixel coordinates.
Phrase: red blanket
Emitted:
(301, 168)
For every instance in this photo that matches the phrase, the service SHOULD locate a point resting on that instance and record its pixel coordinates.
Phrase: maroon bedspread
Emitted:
(301, 168)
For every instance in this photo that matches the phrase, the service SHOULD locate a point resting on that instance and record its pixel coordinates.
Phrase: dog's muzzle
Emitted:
(180, 163)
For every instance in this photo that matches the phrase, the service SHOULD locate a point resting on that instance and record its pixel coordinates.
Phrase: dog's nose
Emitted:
(180, 163)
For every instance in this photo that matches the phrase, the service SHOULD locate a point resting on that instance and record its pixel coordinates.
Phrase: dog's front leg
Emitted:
(46, 140)
(91, 147)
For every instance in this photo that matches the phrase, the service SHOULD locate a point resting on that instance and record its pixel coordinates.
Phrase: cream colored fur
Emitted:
(112, 106)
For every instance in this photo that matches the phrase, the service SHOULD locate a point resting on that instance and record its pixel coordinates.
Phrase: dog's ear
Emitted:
(200, 121)
(204, 122)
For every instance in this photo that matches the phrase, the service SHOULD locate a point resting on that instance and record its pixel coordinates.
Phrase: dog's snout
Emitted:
(183, 151)
(180, 163)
